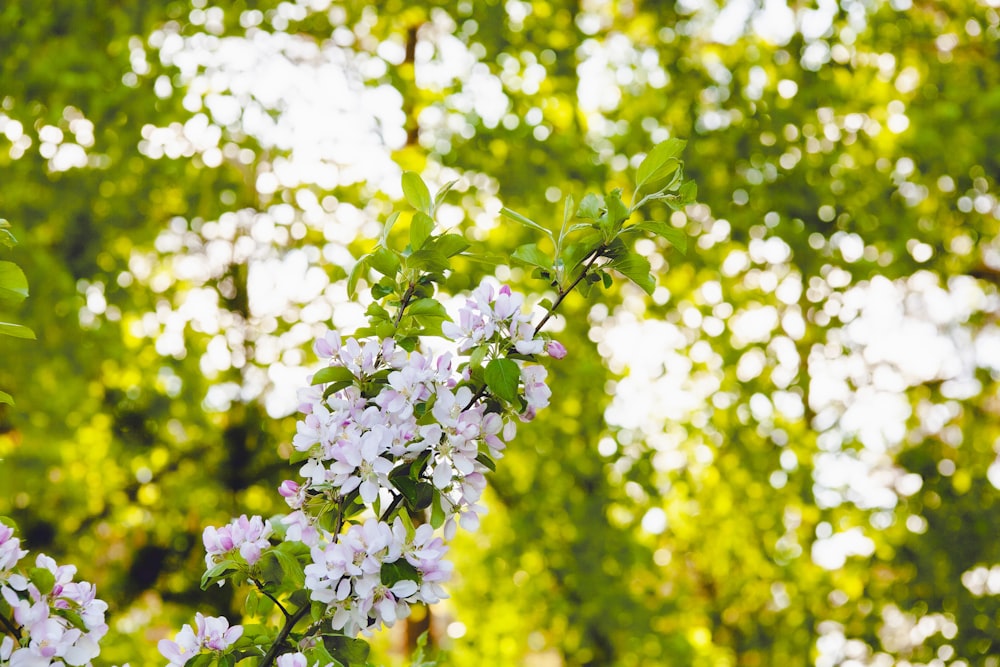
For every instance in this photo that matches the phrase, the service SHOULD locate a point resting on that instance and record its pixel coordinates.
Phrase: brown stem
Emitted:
(396, 499)
(11, 628)
(260, 587)
(403, 303)
(290, 622)
(565, 292)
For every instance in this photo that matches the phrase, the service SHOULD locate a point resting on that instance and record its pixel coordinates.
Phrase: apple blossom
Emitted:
(247, 536)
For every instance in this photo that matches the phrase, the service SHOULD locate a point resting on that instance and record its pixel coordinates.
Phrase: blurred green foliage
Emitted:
(854, 155)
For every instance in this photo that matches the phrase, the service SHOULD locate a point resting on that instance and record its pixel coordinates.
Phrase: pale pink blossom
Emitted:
(555, 349)
(247, 536)
(292, 660)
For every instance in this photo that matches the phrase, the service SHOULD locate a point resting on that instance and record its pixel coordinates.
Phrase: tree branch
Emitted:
(290, 623)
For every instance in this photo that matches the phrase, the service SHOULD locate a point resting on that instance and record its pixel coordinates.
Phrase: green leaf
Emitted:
(439, 197)
(16, 330)
(74, 618)
(6, 398)
(487, 461)
(420, 229)
(384, 261)
(6, 237)
(387, 227)
(437, 513)
(330, 390)
(13, 284)
(297, 457)
(291, 568)
(43, 579)
(333, 374)
(617, 211)
(659, 163)
(376, 313)
(201, 660)
(575, 253)
(527, 222)
(530, 254)
(478, 355)
(427, 306)
(416, 192)
(399, 570)
(568, 210)
(217, 572)
(486, 258)
(316, 611)
(428, 259)
(348, 650)
(502, 378)
(664, 230)
(380, 290)
(360, 269)
(417, 494)
(449, 245)
(688, 193)
(635, 267)
(418, 659)
(590, 207)
(300, 598)
(250, 604)
(255, 631)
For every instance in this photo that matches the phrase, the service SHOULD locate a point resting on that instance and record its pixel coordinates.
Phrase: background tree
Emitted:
(790, 458)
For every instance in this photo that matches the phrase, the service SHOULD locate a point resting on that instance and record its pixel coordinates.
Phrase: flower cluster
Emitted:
(487, 313)
(247, 536)
(395, 442)
(404, 423)
(52, 619)
(349, 574)
(211, 632)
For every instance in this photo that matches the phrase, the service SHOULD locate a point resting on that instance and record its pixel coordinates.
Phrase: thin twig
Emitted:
(564, 293)
(11, 628)
(397, 498)
(260, 587)
(403, 303)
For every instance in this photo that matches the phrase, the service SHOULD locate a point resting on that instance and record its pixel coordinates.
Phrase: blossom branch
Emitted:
(595, 254)
(11, 628)
(563, 293)
(290, 623)
(403, 303)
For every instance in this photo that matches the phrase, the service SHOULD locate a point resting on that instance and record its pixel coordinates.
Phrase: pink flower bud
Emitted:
(505, 290)
(288, 489)
(555, 349)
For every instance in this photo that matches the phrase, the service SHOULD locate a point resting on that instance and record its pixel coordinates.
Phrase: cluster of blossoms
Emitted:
(211, 632)
(52, 620)
(392, 425)
(424, 416)
(347, 573)
(247, 536)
